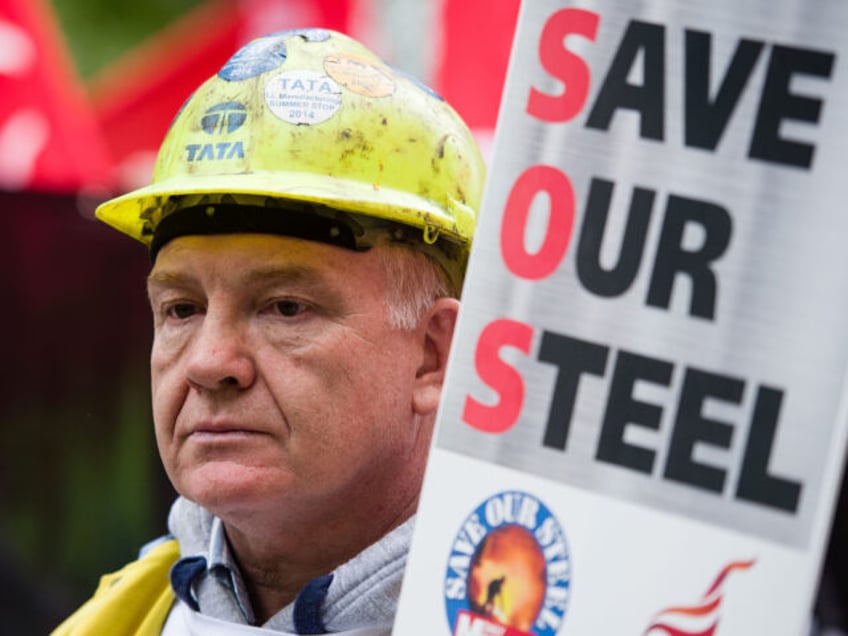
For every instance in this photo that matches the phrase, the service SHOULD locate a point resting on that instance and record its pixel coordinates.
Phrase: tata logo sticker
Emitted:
(220, 120)
(303, 97)
(509, 570)
(699, 618)
(359, 75)
(224, 118)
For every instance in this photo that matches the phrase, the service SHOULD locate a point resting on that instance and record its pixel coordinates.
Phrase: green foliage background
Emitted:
(81, 486)
(97, 31)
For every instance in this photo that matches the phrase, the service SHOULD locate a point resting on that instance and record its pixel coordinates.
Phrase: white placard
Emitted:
(652, 347)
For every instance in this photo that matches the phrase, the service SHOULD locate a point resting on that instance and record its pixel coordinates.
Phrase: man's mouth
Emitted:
(222, 430)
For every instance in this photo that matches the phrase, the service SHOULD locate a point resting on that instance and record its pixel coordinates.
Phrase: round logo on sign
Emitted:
(359, 75)
(303, 97)
(509, 570)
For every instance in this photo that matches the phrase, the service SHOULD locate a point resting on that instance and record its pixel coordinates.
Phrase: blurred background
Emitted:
(87, 91)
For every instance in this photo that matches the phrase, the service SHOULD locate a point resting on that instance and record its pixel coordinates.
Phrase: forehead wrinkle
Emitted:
(281, 273)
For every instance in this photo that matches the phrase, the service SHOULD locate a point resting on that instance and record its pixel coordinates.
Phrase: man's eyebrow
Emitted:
(295, 276)
(168, 279)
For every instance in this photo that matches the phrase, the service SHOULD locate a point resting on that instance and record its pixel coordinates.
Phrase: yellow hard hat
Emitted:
(315, 135)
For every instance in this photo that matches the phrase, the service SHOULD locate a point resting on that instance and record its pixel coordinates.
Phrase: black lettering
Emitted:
(706, 119)
(592, 275)
(691, 426)
(755, 484)
(573, 357)
(648, 99)
(778, 104)
(622, 410)
(672, 259)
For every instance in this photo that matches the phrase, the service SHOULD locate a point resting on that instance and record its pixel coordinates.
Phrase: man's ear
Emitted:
(437, 331)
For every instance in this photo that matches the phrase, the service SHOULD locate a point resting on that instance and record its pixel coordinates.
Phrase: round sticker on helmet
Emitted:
(303, 97)
(359, 75)
(254, 58)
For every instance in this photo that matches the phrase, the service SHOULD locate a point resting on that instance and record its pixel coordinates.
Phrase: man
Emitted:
(309, 223)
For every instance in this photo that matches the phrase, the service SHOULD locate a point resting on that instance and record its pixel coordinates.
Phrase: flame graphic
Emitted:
(699, 619)
(507, 578)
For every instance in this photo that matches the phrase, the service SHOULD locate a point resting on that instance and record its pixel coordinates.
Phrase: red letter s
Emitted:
(504, 379)
(564, 65)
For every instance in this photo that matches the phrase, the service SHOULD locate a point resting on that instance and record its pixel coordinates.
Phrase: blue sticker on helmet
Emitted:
(310, 35)
(259, 56)
(265, 53)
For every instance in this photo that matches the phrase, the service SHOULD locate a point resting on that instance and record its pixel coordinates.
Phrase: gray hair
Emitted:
(414, 281)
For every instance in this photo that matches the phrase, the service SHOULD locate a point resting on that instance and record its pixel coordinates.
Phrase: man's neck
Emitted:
(275, 567)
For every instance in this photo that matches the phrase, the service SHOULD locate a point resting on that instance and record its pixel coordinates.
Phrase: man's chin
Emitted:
(225, 486)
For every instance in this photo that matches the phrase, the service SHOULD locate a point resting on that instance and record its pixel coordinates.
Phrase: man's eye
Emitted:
(182, 311)
(289, 308)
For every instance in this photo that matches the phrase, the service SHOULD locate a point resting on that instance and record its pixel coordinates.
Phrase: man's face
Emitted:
(277, 383)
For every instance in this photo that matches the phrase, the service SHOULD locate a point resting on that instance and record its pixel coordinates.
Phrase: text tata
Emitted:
(706, 117)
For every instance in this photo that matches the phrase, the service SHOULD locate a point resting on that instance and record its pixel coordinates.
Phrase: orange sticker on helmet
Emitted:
(359, 75)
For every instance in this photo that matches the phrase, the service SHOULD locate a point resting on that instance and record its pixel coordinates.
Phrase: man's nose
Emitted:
(219, 356)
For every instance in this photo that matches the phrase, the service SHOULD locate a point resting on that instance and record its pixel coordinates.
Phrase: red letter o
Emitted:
(560, 193)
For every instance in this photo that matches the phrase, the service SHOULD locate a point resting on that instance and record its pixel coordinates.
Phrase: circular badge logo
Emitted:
(303, 97)
(509, 571)
(359, 75)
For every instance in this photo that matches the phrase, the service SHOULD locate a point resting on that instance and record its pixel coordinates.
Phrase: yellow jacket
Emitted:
(134, 601)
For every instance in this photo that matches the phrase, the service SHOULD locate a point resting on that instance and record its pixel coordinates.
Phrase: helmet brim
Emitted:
(138, 212)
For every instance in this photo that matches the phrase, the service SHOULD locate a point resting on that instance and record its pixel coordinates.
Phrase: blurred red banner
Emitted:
(49, 136)
(56, 135)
